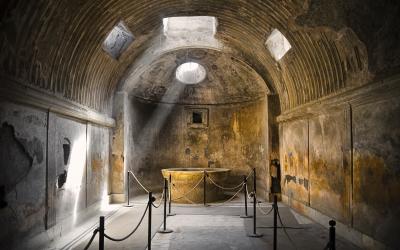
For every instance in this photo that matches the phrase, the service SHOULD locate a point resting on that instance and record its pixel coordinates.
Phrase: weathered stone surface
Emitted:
(329, 189)
(334, 160)
(23, 171)
(294, 160)
(376, 170)
(234, 138)
(353, 163)
(71, 197)
(28, 170)
(228, 80)
(97, 164)
(188, 184)
(374, 22)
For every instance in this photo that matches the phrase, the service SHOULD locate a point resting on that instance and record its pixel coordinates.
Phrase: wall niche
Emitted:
(196, 117)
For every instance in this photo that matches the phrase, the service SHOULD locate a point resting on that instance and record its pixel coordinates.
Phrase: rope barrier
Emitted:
(263, 211)
(161, 200)
(166, 194)
(137, 180)
(195, 186)
(91, 239)
(249, 195)
(133, 231)
(230, 199)
(225, 188)
(284, 229)
(184, 196)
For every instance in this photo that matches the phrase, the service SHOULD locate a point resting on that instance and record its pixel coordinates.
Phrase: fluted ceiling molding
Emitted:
(56, 45)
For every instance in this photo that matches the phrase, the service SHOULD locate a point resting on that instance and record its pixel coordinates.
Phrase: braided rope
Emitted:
(161, 200)
(184, 197)
(133, 231)
(91, 239)
(249, 195)
(198, 183)
(263, 211)
(230, 199)
(221, 187)
(137, 180)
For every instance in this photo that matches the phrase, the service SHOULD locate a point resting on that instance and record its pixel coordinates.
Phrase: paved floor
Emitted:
(214, 227)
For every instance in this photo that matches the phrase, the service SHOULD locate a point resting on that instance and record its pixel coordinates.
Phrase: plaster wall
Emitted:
(23, 171)
(235, 137)
(342, 160)
(36, 192)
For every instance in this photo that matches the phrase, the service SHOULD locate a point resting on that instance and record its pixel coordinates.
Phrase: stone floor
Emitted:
(213, 227)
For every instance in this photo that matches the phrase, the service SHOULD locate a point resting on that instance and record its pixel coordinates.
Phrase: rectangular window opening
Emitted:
(277, 44)
(193, 25)
(118, 40)
(197, 117)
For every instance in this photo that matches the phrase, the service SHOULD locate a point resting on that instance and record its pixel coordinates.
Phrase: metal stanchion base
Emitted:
(166, 231)
(126, 205)
(256, 235)
(171, 214)
(246, 216)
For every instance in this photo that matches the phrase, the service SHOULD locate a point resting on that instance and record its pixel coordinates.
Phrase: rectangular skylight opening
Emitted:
(193, 25)
(277, 44)
(118, 40)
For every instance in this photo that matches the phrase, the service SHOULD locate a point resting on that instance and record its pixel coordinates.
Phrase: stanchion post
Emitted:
(332, 237)
(254, 234)
(170, 196)
(151, 200)
(204, 188)
(128, 190)
(127, 179)
(101, 233)
(275, 208)
(165, 230)
(245, 198)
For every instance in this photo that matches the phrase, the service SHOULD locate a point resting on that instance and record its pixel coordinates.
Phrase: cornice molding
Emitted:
(15, 92)
(369, 93)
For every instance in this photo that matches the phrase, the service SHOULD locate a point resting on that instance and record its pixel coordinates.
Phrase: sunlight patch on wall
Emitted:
(76, 170)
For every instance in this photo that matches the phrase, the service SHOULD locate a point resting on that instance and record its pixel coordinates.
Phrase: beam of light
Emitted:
(76, 169)
(105, 205)
(159, 45)
(153, 126)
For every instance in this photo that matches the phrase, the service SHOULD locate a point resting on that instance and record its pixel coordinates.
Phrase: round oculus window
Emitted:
(190, 73)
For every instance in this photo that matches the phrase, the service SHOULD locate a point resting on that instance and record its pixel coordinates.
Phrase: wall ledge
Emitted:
(361, 240)
(369, 93)
(15, 92)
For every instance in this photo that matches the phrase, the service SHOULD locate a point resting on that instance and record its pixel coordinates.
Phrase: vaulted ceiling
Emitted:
(227, 80)
(56, 45)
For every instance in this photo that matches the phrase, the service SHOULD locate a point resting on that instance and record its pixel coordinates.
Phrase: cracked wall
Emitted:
(23, 168)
